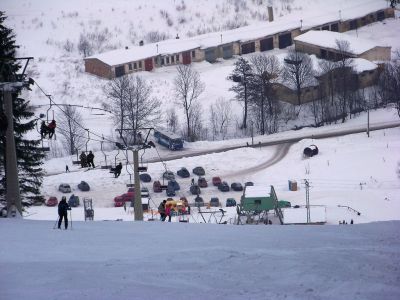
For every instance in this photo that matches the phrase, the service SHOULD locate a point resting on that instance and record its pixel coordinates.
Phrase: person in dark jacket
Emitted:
(83, 159)
(63, 209)
(44, 130)
(118, 169)
(161, 210)
(90, 158)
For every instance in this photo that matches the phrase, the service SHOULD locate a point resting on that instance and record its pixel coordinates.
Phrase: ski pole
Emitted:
(70, 216)
(54, 227)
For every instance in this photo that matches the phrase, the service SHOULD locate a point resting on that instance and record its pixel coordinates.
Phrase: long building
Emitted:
(225, 44)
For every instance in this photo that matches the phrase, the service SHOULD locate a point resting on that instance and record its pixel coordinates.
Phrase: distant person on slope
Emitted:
(118, 169)
(83, 159)
(63, 209)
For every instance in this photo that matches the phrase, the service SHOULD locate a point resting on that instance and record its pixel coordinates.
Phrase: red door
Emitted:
(148, 64)
(186, 58)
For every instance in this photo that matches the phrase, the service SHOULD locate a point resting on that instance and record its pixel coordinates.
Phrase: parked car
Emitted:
(144, 192)
(216, 181)
(120, 200)
(195, 189)
(52, 201)
(202, 182)
(199, 171)
(168, 175)
(73, 201)
(157, 187)
(310, 151)
(249, 183)
(230, 202)
(170, 191)
(183, 172)
(174, 184)
(198, 201)
(84, 186)
(64, 188)
(145, 177)
(223, 187)
(237, 186)
(214, 202)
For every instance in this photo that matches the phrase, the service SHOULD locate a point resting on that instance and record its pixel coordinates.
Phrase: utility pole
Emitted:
(12, 84)
(14, 206)
(307, 200)
(368, 122)
(137, 204)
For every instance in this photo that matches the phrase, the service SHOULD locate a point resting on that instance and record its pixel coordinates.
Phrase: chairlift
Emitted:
(77, 161)
(142, 168)
(130, 184)
(106, 166)
(87, 141)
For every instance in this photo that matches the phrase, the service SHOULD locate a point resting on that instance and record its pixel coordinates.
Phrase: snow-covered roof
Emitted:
(135, 53)
(327, 39)
(257, 191)
(242, 34)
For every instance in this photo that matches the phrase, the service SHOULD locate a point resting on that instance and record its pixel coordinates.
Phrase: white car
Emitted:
(64, 188)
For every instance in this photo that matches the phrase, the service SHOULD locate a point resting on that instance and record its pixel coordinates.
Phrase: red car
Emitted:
(120, 200)
(216, 181)
(52, 201)
(157, 187)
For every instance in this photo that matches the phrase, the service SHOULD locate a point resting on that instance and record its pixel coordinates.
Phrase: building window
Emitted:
(193, 54)
(130, 67)
(135, 66)
(140, 64)
(167, 59)
(172, 59)
(177, 57)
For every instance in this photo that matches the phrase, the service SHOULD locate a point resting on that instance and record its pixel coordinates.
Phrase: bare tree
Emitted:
(172, 119)
(298, 71)
(389, 83)
(117, 93)
(266, 71)
(69, 127)
(220, 117)
(140, 108)
(188, 88)
(345, 75)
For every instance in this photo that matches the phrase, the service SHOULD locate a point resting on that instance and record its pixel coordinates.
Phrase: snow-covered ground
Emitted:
(126, 260)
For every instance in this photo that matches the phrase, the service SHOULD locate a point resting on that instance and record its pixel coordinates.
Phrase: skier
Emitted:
(118, 169)
(66, 169)
(83, 159)
(161, 210)
(90, 158)
(51, 128)
(63, 208)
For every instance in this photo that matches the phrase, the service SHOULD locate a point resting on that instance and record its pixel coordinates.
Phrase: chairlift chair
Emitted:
(77, 161)
(106, 166)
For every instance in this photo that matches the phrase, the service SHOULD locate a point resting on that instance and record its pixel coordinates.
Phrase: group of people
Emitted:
(167, 210)
(345, 223)
(48, 129)
(87, 160)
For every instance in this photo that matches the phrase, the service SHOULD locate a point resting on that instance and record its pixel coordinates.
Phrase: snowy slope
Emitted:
(121, 260)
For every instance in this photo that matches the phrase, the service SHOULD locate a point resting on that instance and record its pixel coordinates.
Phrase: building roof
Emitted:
(257, 191)
(242, 34)
(327, 39)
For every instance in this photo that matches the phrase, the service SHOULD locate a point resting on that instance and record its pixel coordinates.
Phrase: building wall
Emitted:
(377, 53)
(97, 67)
(285, 94)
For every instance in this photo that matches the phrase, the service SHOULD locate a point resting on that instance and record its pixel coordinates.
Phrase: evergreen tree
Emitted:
(29, 156)
(241, 75)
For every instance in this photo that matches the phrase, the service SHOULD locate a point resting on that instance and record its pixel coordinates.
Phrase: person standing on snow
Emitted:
(118, 169)
(63, 209)
(161, 210)
(90, 158)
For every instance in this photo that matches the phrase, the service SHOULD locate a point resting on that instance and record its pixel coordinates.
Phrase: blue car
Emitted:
(174, 185)
(73, 201)
(170, 191)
